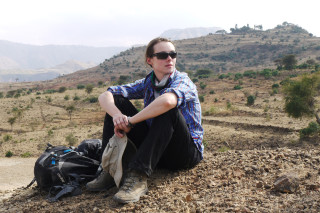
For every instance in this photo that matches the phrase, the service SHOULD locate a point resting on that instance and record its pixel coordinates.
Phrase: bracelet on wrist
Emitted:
(129, 123)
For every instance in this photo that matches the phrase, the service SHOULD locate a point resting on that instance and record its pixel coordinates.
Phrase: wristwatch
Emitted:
(129, 123)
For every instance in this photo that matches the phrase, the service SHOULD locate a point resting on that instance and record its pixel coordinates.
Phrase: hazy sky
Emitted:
(129, 22)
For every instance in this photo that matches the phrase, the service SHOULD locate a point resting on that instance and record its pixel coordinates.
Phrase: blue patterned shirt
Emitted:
(186, 92)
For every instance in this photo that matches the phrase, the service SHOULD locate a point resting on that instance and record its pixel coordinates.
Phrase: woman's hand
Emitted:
(121, 132)
(120, 120)
(121, 123)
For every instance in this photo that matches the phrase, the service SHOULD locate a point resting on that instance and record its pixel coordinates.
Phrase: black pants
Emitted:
(166, 144)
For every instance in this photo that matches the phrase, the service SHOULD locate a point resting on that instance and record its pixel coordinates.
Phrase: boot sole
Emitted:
(119, 200)
(100, 189)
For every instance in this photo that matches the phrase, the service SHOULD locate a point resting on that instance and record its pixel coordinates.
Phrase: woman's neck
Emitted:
(160, 76)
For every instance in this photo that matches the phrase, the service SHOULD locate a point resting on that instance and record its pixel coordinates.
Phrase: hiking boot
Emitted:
(102, 183)
(134, 186)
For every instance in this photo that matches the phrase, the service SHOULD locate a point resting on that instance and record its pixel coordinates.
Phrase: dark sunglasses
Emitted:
(164, 55)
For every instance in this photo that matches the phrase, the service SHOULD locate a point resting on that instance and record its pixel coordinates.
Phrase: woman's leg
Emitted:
(136, 135)
(168, 143)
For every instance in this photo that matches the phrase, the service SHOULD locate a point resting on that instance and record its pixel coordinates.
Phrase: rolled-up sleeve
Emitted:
(184, 90)
(131, 91)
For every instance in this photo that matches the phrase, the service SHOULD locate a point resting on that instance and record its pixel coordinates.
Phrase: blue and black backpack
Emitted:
(62, 170)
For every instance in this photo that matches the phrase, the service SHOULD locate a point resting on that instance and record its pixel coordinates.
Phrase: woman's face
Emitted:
(166, 66)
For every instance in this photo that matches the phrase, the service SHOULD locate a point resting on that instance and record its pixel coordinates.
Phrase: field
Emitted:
(247, 149)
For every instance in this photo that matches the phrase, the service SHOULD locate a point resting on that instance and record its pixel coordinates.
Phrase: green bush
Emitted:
(81, 86)
(209, 112)
(202, 85)
(222, 76)
(223, 149)
(237, 76)
(212, 92)
(7, 138)
(195, 80)
(48, 91)
(312, 129)
(17, 95)
(9, 154)
(10, 94)
(93, 99)
(66, 97)
(229, 105)
(274, 91)
(237, 87)
(250, 74)
(62, 89)
(26, 155)
(250, 100)
(89, 88)
(100, 83)
(49, 99)
(50, 132)
(267, 73)
(201, 98)
(203, 72)
(76, 97)
(71, 139)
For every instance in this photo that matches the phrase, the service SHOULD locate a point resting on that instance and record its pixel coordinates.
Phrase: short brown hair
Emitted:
(152, 43)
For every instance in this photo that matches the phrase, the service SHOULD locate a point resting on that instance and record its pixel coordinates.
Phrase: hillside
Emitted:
(222, 53)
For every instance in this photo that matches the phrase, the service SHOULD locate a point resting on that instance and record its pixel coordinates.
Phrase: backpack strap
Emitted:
(72, 188)
(30, 184)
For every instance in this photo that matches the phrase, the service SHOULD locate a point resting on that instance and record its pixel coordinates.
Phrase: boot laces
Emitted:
(101, 175)
(129, 182)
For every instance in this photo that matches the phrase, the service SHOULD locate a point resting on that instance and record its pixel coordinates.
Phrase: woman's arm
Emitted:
(159, 106)
(120, 120)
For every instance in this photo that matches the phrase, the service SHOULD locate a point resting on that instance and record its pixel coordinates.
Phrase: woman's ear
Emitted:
(149, 61)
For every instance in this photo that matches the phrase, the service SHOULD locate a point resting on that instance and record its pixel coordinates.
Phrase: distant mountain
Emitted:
(16, 58)
(36, 57)
(44, 74)
(178, 34)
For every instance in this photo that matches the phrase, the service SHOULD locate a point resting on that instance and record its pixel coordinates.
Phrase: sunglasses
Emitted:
(164, 55)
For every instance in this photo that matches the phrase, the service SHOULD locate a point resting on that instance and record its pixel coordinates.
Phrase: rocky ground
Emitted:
(227, 180)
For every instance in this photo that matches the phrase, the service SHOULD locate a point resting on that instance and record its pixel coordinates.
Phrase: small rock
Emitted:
(287, 184)
(267, 186)
(313, 187)
(259, 185)
(188, 198)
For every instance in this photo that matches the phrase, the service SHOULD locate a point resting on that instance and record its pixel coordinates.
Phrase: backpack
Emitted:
(61, 170)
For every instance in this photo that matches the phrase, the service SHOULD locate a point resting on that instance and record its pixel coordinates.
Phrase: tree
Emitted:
(89, 88)
(289, 61)
(11, 121)
(70, 109)
(300, 96)
(62, 89)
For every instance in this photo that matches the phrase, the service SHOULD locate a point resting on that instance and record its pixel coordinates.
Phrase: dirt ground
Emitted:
(15, 173)
(246, 150)
(240, 179)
